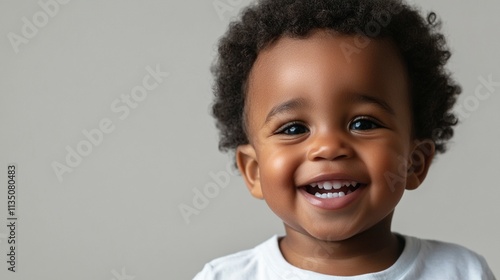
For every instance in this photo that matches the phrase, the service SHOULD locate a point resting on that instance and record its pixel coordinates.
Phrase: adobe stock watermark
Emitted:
(223, 6)
(122, 108)
(404, 169)
(121, 276)
(30, 28)
(320, 252)
(482, 92)
(201, 197)
(372, 29)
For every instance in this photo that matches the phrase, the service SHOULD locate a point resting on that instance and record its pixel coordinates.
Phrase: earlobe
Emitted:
(420, 161)
(246, 159)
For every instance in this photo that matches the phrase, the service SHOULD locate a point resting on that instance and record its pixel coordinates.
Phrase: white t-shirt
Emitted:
(421, 259)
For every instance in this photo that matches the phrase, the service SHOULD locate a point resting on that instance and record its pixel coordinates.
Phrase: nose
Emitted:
(329, 145)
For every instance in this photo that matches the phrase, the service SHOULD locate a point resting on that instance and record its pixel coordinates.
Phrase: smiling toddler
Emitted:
(334, 108)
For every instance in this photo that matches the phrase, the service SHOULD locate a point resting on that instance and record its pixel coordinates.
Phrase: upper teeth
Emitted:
(328, 185)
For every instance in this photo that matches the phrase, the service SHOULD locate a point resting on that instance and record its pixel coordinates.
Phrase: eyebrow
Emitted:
(363, 98)
(296, 103)
(289, 105)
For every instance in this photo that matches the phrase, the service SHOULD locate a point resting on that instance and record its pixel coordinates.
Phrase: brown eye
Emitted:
(293, 129)
(363, 124)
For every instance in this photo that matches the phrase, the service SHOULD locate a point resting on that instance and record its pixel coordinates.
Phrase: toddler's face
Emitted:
(330, 137)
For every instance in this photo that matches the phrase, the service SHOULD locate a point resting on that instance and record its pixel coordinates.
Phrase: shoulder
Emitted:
(435, 250)
(244, 263)
(449, 259)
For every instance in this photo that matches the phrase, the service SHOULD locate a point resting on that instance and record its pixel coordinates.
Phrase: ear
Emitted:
(246, 159)
(420, 161)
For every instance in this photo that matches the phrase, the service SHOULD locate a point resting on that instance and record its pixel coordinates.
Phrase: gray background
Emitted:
(117, 213)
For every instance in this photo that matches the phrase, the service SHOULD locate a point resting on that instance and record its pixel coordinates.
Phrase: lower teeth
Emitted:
(330, 195)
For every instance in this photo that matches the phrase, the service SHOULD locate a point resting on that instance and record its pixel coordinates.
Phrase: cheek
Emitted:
(277, 169)
(388, 168)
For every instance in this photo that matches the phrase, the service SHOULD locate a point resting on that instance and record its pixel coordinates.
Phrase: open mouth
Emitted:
(332, 189)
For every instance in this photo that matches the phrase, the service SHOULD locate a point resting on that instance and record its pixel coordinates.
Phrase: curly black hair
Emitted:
(424, 51)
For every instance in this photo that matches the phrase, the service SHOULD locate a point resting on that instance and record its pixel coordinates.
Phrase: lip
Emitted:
(332, 203)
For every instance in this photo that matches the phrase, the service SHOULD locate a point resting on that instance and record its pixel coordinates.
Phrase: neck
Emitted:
(373, 250)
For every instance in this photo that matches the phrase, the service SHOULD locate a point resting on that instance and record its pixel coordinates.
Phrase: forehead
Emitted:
(324, 61)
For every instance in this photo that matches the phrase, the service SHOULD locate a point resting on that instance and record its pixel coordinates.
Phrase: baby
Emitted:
(334, 108)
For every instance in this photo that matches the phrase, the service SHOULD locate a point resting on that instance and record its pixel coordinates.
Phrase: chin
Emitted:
(329, 234)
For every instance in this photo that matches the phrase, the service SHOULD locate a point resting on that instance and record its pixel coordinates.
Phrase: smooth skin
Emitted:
(311, 112)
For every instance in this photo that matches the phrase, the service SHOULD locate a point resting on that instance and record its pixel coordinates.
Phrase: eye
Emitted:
(293, 128)
(363, 123)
